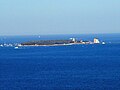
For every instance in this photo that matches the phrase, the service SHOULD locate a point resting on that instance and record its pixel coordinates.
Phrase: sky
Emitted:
(37, 17)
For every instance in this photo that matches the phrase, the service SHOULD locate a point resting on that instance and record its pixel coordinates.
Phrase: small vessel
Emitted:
(19, 45)
(16, 47)
(1, 45)
(103, 42)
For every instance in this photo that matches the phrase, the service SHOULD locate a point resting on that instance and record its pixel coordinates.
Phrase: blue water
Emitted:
(75, 67)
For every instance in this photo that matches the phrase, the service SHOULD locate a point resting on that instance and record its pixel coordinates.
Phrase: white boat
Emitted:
(103, 42)
(16, 47)
(1, 45)
(19, 45)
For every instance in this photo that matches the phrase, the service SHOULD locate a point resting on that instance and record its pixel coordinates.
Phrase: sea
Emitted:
(69, 67)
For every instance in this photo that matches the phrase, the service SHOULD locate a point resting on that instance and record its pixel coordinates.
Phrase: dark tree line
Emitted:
(47, 42)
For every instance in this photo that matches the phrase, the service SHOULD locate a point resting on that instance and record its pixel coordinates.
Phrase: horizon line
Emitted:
(57, 34)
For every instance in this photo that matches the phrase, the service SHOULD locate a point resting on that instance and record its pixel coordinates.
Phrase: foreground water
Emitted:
(75, 67)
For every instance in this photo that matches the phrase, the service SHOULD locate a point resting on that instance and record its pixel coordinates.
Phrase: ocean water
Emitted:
(74, 67)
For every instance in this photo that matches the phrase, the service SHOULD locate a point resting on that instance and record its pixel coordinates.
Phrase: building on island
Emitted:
(73, 40)
(96, 41)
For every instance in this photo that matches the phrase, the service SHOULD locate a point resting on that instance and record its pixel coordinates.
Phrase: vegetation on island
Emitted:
(47, 42)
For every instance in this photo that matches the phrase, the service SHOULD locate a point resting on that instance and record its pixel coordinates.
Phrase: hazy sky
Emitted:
(28, 17)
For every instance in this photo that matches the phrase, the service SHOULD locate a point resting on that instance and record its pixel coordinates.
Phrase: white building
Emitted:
(73, 39)
(96, 41)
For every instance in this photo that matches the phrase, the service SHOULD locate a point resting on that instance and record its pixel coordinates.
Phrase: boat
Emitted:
(16, 47)
(103, 42)
(1, 45)
(19, 45)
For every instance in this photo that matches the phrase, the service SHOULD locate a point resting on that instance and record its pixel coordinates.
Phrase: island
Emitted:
(71, 41)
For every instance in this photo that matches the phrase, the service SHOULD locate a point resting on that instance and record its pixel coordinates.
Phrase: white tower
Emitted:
(73, 39)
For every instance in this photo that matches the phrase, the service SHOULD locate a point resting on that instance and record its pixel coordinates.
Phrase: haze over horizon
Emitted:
(38, 17)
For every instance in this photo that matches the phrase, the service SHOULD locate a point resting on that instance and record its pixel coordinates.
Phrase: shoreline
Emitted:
(57, 44)
(47, 45)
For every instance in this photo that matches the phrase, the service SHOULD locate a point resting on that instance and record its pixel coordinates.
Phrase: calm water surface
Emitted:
(76, 67)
